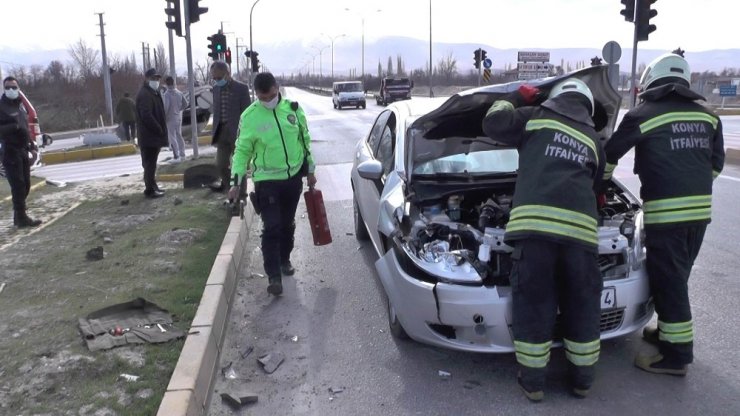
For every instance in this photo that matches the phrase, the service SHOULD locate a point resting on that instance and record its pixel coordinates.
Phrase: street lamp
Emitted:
(332, 39)
(321, 72)
(363, 39)
(251, 48)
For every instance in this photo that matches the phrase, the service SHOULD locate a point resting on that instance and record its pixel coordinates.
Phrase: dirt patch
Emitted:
(154, 250)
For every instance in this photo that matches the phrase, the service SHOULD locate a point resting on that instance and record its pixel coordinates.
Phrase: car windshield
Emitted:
(353, 87)
(482, 162)
(396, 81)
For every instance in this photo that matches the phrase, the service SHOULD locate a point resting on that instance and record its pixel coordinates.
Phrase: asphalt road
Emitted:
(331, 324)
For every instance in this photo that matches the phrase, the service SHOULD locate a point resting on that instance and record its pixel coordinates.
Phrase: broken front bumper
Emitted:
(478, 318)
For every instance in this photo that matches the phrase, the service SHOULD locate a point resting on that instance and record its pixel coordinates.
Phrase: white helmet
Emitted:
(573, 85)
(665, 66)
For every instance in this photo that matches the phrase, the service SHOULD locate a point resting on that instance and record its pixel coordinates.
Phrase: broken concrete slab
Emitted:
(238, 400)
(270, 362)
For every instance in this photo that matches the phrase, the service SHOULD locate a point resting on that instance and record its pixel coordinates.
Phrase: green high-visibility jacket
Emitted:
(274, 143)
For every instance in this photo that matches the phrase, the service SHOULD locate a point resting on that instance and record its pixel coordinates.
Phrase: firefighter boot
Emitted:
(21, 219)
(275, 285)
(580, 378)
(650, 335)
(531, 384)
(658, 364)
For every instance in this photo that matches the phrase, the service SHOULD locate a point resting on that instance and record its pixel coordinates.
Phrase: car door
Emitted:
(367, 191)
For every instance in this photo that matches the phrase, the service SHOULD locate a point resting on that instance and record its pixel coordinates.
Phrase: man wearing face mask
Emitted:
(274, 138)
(152, 127)
(16, 142)
(230, 99)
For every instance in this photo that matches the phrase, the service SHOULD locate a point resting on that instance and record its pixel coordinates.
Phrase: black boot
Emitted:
(15, 218)
(23, 220)
(275, 285)
(287, 269)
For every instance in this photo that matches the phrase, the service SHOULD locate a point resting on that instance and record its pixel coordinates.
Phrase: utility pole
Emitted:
(106, 70)
(237, 58)
(251, 50)
(173, 74)
(191, 86)
(431, 94)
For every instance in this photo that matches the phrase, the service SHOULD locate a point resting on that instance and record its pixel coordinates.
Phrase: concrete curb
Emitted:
(171, 177)
(33, 188)
(78, 155)
(188, 393)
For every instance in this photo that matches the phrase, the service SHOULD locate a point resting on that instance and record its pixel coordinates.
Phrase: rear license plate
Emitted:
(609, 298)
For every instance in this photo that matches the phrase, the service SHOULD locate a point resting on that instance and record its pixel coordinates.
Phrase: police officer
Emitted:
(16, 141)
(553, 229)
(274, 138)
(678, 151)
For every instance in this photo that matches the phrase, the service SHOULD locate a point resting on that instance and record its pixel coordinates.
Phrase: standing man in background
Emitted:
(152, 126)
(126, 113)
(174, 104)
(16, 141)
(230, 99)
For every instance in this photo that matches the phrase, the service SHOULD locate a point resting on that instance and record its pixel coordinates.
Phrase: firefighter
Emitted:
(679, 150)
(553, 229)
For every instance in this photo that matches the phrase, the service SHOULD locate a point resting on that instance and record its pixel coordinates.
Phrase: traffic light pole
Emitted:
(191, 86)
(633, 86)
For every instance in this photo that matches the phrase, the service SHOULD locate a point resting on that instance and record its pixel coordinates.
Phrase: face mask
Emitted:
(270, 105)
(220, 83)
(154, 85)
(12, 94)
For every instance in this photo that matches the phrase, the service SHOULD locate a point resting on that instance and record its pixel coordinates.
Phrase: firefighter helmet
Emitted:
(668, 65)
(573, 85)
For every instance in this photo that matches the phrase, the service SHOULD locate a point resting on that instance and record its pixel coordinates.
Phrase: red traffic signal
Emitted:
(227, 56)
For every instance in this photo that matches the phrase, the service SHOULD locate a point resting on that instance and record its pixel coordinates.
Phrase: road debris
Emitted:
(244, 354)
(228, 371)
(124, 202)
(58, 184)
(129, 377)
(177, 201)
(258, 276)
(2, 286)
(294, 338)
(95, 254)
(349, 233)
(107, 240)
(444, 375)
(270, 362)
(336, 390)
(237, 401)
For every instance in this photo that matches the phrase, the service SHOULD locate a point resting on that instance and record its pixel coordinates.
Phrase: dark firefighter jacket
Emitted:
(679, 149)
(560, 163)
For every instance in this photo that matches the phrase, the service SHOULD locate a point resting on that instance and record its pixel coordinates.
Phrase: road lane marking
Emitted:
(729, 178)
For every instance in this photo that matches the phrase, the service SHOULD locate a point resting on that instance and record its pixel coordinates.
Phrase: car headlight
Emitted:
(440, 265)
(638, 243)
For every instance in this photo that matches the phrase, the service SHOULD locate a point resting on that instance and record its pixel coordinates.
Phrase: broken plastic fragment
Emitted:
(335, 390)
(444, 375)
(257, 276)
(228, 371)
(294, 338)
(247, 351)
(129, 377)
(270, 362)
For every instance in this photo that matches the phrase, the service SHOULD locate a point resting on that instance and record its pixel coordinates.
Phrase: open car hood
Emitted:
(449, 128)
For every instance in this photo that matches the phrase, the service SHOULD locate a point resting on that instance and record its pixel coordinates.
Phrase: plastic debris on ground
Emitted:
(228, 371)
(247, 351)
(294, 338)
(336, 390)
(444, 375)
(270, 362)
(129, 377)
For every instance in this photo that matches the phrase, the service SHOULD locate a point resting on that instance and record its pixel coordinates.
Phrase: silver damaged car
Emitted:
(433, 195)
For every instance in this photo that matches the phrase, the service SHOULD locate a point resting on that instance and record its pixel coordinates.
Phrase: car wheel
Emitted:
(339, 106)
(335, 105)
(361, 233)
(364, 106)
(393, 324)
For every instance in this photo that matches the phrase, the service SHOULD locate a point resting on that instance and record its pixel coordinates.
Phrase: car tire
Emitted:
(335, 105)
(393, 323)
(364, 106)
(361, 233)
(339, 106)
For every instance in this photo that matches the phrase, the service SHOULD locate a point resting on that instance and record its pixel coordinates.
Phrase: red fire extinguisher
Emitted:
(317, 217)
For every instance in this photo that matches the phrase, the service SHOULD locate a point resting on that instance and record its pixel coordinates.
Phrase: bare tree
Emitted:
(201, 73)
(380, 70)
(390, 67)
(400, 67)
(447, 67)
(161, 63)
(85, 58)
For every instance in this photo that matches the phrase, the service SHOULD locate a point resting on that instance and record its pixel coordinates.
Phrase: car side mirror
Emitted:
(370, 170)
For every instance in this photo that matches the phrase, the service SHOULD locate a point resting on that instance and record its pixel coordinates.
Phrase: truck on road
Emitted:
(394, 89)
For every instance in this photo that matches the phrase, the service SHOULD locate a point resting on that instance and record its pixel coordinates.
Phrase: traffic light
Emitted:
(254, 56)
(217, 46)
(227, 56)
(194, 10)
(248, 54)
(174, 19)
(477, 58)
(629, 10)
(643, 13)
(483, 54)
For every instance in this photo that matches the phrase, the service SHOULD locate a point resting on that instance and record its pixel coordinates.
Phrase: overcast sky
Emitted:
(541, 24)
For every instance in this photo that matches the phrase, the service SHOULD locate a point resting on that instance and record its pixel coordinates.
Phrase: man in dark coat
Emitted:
(230, 99)
(152, 126)
(126, 113)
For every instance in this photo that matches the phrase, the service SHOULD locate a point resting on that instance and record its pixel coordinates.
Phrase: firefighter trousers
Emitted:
(670, 255)
(18, 171)
(548, 277)
(278, 202)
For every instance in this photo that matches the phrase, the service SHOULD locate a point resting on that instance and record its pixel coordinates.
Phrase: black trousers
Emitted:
(18, 171)
(149, 157)
(278, 202)
(129, 128)
(670, 256)
(547, 276)
(224, 150)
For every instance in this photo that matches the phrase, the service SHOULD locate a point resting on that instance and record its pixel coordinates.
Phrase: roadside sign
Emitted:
(727, 90)
(487, 63)
(611, 52)
(487, 74)
(524, 56)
